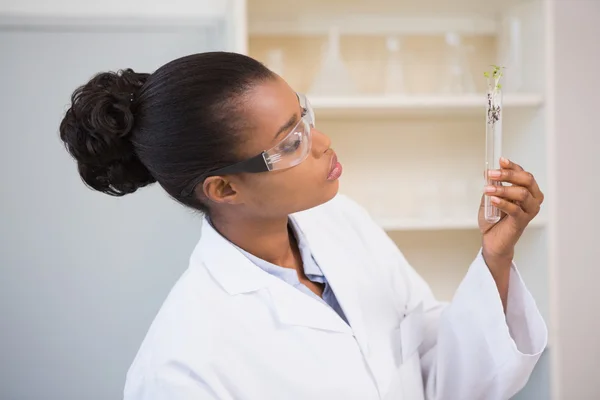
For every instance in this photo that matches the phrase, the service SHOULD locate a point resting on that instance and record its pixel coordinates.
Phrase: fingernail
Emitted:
(495, 199)
(504, 160)
(494, 173)
(490, 189)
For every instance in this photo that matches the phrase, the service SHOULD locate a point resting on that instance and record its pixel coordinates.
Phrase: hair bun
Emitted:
(96, 131)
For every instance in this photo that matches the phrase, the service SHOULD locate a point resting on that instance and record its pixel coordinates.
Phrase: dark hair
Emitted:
(127, 129)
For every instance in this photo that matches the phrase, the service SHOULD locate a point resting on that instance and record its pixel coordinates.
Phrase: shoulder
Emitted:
(183, 331)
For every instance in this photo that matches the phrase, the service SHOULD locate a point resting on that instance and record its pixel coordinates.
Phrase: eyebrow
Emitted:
(288, 125)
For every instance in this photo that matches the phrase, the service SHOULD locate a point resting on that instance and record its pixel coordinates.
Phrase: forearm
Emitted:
(500, 270)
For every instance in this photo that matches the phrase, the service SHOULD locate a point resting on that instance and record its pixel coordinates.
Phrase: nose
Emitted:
(320, 143)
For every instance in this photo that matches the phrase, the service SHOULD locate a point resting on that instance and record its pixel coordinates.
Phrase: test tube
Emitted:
(493, 143)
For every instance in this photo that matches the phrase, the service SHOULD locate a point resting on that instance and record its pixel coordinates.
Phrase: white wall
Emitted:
(111, 8)
(82, 274)
(574, 199)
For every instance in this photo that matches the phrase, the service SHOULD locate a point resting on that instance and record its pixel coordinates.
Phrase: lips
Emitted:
(336, 169)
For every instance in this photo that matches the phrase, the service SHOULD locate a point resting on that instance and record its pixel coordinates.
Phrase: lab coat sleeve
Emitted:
(478, 351)
(471, 349)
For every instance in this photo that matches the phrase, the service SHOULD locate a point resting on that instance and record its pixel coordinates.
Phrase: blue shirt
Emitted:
(311, 270)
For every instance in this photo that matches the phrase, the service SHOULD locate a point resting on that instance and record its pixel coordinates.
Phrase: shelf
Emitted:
(392, 105)
(367, 25)
(403, 224)
(399, 6)
(315, 17)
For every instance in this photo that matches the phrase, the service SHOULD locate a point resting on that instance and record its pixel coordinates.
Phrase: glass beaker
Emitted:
(333, 77)
(394, 68)
(458, 76)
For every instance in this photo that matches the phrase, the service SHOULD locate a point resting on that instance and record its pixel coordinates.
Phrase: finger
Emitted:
(518, 194)
(519, 178)
(529, 178)
(508, 207)
(508, 164)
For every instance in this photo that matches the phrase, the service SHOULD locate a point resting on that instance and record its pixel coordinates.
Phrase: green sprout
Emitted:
(496, 74)
(493, 102)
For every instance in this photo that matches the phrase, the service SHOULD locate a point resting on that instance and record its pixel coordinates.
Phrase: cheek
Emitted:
(304, 186)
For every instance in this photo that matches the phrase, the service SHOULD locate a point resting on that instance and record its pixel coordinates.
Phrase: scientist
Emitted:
(292, 291)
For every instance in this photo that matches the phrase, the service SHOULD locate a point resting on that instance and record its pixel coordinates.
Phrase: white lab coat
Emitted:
(228, 330)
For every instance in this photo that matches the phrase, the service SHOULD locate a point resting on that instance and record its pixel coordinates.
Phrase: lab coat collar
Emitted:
(229, 267)
(236, 274)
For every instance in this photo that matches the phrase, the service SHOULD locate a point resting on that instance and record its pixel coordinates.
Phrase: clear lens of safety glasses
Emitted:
(292, 150)
(310, 114)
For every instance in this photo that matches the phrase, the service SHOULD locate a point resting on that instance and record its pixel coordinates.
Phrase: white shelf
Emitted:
(367, 25)
(359, 16)
(403, 224)
(476, 7)
(429, 104)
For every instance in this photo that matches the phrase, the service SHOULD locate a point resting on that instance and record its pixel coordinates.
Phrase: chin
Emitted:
(332, 190)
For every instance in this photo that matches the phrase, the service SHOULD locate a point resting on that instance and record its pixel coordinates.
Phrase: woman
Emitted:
(293, 292)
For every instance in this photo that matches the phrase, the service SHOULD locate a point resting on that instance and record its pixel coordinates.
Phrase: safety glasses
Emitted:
(289, 152)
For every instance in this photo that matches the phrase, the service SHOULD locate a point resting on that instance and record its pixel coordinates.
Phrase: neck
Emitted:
(268, 239)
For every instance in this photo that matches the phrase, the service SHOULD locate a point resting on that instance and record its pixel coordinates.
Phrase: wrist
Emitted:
(498, 262)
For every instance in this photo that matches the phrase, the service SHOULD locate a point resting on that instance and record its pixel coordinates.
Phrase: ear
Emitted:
(220, 190)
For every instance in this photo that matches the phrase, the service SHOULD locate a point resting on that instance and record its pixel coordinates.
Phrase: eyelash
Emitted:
(293, 146)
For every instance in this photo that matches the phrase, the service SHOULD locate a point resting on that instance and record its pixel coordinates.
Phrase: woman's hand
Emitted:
(519, 204)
